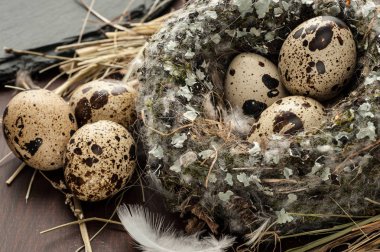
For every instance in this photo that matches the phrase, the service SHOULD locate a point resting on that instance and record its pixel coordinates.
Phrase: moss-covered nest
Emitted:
(217, 179)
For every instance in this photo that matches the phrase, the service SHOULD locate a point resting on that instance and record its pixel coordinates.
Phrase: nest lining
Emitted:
(215, 177)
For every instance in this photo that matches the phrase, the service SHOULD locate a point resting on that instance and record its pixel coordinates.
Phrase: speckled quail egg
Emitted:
(288, 116)
(318, 58)
(37, 126)
(103, 100)
(252, 83)
(99, 160)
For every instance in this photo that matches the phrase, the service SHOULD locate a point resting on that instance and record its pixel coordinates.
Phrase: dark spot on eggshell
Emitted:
(132, 152)
(232, 72)
(85, 90)
(340, 40)
(311, 64)
(288, 120)
(269, 81)
(78, 151)
(273, 93)
(118, 90)
(287, 77)
(311, 29)
(83, 112)
(33, 146)
(322, 38)
(279, 102)
(320, 67)
(253, 108)
(298, 33)
(114, 178)
(20, 125)
(117, 138)
(99, 99)
(71, 117)
(16, 140)
(72, 141)
(348, 69)
(305, 43)
(308, 69)
(261, 64)
(89, 161)
(306, 105)
(96, 149)
(78, 181)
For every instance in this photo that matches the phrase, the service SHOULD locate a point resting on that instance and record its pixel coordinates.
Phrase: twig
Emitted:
(367, 199)
(79, 222)
(102, 18)
(132, 66)
(5, 157)
(82, 225)
(334, 236)
(14, 175)
(211, 166)
(14, 87)
(30, 186)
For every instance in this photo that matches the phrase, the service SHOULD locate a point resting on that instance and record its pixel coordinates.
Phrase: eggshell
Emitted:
(37, 125)
(318, 58)
(252, 83)
(288, 116)
(103, 100)
(100, 159)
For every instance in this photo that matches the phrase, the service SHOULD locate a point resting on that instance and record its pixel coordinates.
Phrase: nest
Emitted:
(217, 179)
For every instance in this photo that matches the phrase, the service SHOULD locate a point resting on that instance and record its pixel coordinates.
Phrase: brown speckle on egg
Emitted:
(105, 161)
(252, 83)
(37, 126)
(288, 116)
(316, 56)
(104, 100)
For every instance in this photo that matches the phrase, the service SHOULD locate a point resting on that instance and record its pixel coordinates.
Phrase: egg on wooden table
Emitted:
(103, 100)
(99, 160)
(288, 116)
(318, 58)
(252, 83)
(37, 126)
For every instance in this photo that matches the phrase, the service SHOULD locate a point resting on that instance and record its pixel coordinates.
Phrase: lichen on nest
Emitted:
(215, 177)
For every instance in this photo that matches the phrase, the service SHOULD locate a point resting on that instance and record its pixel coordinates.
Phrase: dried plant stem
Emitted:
(84, 72)
(15, 88)
(367, 199)
(211, 166)
(82, 225)
(14, 175)
(334, 236)
(30, 186)
(79, 222)
(5, 157)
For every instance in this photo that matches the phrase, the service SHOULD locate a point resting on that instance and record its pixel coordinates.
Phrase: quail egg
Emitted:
(37, 125)
(103, 100)
(318, 58)
(99, 160)
(288, 116)
(252, 83)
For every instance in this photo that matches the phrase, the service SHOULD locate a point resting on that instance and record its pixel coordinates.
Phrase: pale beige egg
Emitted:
(99, 160)
(288, 116)
(37, 125)
(104, 100)
(318, 58)
(252, 83)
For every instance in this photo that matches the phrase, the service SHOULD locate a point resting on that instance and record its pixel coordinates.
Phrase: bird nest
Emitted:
(216, 178)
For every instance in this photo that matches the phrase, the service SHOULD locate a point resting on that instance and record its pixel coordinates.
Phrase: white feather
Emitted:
(148, 231)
